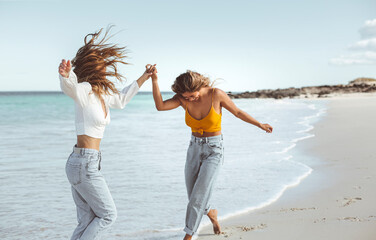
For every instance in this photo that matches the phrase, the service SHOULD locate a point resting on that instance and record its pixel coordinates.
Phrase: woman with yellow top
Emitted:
(203, 112)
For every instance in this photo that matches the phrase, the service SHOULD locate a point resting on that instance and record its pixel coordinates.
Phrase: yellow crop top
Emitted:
(210, 123)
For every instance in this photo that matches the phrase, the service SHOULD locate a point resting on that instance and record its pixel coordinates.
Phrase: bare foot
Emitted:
(212, 214)
(187, 237)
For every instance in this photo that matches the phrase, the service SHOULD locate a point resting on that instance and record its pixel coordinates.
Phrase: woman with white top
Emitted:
(94, 95)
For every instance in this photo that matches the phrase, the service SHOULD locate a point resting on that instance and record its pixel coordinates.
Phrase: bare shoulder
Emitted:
(180, 99)
(220, 94)
(177, 97)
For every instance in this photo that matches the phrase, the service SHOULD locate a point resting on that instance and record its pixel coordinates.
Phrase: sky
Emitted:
(247, 45)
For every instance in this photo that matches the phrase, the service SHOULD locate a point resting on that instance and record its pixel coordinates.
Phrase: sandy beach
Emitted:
(337, 200)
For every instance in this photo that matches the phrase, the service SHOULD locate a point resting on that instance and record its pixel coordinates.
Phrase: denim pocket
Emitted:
(73, 172)
(214, 145)
(217, 149)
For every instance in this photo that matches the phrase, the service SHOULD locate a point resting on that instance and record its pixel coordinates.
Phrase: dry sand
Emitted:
(337, 201)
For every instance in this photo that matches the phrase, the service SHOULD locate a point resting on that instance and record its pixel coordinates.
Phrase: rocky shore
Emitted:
(359, 85)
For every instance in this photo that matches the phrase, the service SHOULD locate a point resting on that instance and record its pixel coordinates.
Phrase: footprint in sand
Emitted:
(348, 201)
(297, 209)
(319, 220)
(356, 219)
(352, 219)
(225, 234)
(252, 228)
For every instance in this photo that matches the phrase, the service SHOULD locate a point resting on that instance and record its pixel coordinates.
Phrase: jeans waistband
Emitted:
(89, 151)
(83, 151)
(207, 139)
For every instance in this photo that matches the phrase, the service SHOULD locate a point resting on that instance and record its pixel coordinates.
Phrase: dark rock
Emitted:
(357, 86)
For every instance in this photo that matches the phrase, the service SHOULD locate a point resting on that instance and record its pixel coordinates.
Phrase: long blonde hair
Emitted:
(91, 62)
(190, 82)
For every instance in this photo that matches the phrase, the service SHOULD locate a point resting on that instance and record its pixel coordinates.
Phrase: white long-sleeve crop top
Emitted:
(90, 117)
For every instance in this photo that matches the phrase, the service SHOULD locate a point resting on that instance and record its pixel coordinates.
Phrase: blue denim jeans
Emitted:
(96, 209)
(204, 159)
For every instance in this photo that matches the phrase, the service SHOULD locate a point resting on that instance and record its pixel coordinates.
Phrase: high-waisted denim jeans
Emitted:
(96, 210)
(204, 159)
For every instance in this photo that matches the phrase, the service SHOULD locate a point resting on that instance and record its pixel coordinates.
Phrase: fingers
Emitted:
(269, 128)
(64, 64)
(150, 69)
(61, 68)
(65, 67)
(153, 69)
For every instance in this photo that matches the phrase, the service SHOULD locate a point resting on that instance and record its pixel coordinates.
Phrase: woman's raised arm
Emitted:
(70, 85)
(161, 105)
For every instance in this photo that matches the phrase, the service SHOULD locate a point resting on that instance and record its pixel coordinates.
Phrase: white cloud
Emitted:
(367, 45)
(369, 30)
(364, 58)
(366, 48)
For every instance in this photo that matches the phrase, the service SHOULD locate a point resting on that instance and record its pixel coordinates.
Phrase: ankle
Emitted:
(187, 237)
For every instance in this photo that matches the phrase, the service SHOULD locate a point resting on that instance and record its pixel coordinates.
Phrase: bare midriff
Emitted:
(206, 134)
(84, 141)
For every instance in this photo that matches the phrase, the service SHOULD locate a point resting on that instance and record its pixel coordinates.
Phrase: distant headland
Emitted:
(359, 85)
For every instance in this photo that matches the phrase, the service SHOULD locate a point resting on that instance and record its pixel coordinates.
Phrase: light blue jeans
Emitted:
(204, 159)
(96, 209)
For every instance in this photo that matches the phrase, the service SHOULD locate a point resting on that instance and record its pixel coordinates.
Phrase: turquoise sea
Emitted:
(143, 154)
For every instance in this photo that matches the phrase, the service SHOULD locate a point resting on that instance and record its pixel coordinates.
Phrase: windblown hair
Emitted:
(190, 82)
(93, 59)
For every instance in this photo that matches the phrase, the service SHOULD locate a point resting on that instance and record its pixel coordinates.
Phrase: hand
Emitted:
(266, 127)
(64, 68)
(150, 69)
(154, 76)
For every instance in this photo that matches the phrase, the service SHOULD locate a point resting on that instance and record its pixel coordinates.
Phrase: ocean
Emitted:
(143, 157)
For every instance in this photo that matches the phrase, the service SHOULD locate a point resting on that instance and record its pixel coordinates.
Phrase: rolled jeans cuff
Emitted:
(207, 210)
(188, 231)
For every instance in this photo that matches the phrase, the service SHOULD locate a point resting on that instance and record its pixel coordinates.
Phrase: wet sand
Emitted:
(337, 201)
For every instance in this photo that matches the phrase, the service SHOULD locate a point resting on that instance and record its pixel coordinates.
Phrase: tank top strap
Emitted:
(213, 95)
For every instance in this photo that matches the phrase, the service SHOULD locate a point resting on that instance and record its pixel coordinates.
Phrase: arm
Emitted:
(126, 94)
(119, 100)
(69, 84)
(227, 103)
(161, 105)
(148, 72)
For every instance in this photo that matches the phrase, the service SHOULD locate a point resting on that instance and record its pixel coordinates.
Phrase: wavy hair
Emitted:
(92, 61)
(190, 82)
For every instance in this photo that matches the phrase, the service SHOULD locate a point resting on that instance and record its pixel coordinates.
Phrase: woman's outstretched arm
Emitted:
(126, 94)
(161, 105)
(227, 103)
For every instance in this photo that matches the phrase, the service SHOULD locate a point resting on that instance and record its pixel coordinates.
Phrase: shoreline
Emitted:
(293, 184)
(334, 199)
